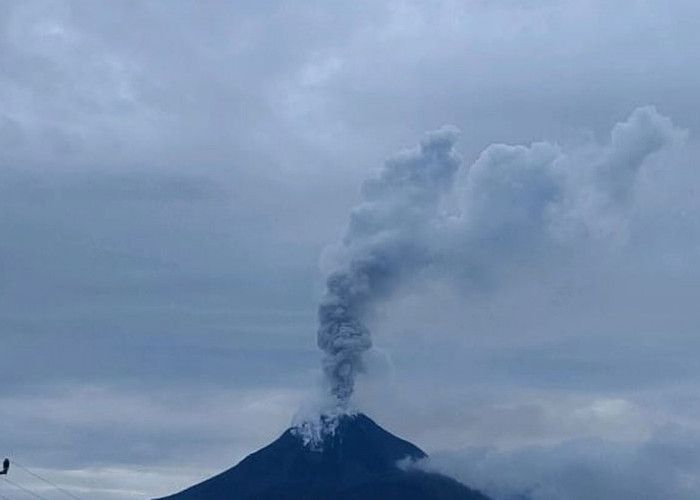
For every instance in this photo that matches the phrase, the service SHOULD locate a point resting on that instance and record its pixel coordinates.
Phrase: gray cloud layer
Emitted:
(171, 171)
(664, 466)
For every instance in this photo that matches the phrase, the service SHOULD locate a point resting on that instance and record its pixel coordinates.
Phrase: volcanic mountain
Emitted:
(357, 461)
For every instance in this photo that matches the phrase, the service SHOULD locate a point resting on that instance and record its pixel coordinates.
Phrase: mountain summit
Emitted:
(358, 460)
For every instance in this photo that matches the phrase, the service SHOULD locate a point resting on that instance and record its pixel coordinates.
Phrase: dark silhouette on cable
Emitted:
(5, 466)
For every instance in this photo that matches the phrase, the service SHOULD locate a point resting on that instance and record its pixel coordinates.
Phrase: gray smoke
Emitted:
(518, 209)
(385, 241)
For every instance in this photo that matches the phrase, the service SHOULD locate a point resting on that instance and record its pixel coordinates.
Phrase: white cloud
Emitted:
(664, 466)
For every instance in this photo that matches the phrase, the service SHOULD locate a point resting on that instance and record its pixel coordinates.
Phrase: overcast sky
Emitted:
(172, 174)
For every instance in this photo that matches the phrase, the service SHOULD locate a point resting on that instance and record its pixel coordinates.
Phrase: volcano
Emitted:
(357, 461)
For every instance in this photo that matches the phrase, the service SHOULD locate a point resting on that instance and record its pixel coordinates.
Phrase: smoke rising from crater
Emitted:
(385, 240)
(517, 207)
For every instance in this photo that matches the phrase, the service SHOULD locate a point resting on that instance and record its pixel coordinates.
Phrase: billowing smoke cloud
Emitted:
(385, 241)
(518, 209)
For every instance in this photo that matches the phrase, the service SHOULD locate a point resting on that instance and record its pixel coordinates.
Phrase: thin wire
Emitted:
(3, 497)
(25, 489)
(74, 497)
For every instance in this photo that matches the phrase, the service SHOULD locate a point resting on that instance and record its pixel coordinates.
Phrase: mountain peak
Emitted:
(353, 435)
(356, 459)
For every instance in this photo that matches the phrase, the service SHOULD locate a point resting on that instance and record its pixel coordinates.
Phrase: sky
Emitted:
(177, 178)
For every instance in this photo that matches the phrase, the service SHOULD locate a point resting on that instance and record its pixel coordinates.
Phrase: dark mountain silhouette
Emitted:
(356, 462)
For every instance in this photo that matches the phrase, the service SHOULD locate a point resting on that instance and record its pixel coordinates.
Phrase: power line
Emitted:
(65, 492)
(25, 490)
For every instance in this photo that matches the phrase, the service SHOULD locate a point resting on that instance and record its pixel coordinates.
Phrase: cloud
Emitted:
(664, 466)
(524, 206)
(166, 189)
(89, 436)
(521, 209)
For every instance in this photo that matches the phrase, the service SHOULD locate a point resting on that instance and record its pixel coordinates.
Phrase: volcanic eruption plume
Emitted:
(384, 242)
(518, 210)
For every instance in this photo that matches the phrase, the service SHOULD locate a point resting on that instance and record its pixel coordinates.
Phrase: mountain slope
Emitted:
(356, 462)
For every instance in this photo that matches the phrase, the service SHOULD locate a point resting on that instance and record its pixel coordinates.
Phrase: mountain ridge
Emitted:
(357, 461)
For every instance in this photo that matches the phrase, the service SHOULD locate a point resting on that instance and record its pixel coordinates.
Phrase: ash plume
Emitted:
(519, 209)
(384, 242)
